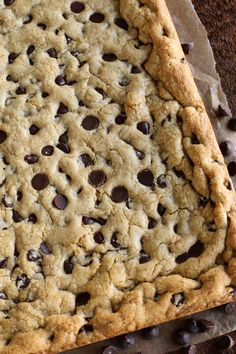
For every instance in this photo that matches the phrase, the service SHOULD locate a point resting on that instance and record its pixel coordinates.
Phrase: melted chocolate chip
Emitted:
(31, 159)
(178, 173)
(187, 47)
(192, 325)
(52, 52)
(114, 241)
(135, 70)
(120, 22)
(232, 168)
(47, 150)
(60, 202)
(178, 299)
(151, 223)
(33, 129)
(45, 94)
(120, 119)
(225, 148)
(196, 250)
(144, 127)
(33, 256)
(22, 281)
(181, 337)
(63, 147)
(182, 258)
(205, 325)
(194, 139)
(20, 90)
(40, 181)
(32, 218)
(12, 57)
(60, 80)
(144, 257)
(110, 57)
(97, 17)
(86, 160)
(161, 209)
(126, 340)
(62, 109)
(151, 332)
(88, 221)
(97, 178)
(146, 178)
(3, 263)
(86, 328)
(82, 299)
(68, 266)
(161, 183)
(110, 349)
(44, 248)
(90, 122)
(119, 194)
(16, 216)
(232, 124)
(98, 237)
(30, 49)
(77, 7)
(3, 296)
(3, 136)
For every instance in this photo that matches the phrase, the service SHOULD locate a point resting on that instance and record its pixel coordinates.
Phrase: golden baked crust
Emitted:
(80, 261)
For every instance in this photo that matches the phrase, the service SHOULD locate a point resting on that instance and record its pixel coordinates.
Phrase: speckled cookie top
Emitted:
(116, 205)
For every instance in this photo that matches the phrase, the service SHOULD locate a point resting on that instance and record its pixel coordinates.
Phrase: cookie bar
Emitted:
(117, 211)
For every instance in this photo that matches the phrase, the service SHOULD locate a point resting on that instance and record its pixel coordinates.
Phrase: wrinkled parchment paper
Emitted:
(202, 64)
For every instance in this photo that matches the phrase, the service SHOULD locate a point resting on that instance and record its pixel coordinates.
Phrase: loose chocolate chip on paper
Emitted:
(47, 150)
(30, 49)
(110, 349)
(97, 178)
(192, 325)
(120, 119)
(22, 281)
(90, 122)
(60, 202)
(181, 337)
(226, 147)
(82, 299)
(31, 159)
(232, 168)
(151, 332)
(3, 263)
(144, 127)
(230, 308)
(12, 57)
(97, 17)
(232, 124)
(205, 325)
(119, 194)
(40, 181)
(33, 256)
(146, 178)
(187, 47)
(110, 57)
(62, 109)
(44, 248)
(225, 342)
(126, 340)
(3, 136)
(98, 237)
(52, 52)
(86, 160)
(120, 22)
(77, 7)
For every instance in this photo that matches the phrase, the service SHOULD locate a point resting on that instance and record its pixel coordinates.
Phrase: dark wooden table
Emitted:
(219, 18)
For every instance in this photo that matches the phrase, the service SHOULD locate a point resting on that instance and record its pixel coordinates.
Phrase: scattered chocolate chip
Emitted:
(44, 248)
(33, 256)
(205, 325)
(144, 127)
(144, 257)
(194, 139)
(22, 281)
(97, 17)
(232, 168)
(161, 209)
(182, 258)
(119, 194)
(27, 19)
(86, 160)
(90, 122)
(187, 47)
(86, 328)
(82, 299)
(98, 237)
(40, 181)
(3, 296)
(135, 70)
(3, 136)
(120, 119)
(181, 337)
(120, 22)
(63, 147)
(110, 349)
(52, 52)
(225, 148)
(222, 112)
(151, 332)
(100, 90)
(60, 202)
(140, 154)
(20, 90)
(196, 250)
(3, 263)
(88, 221)
(192, 349)
(151, 223)
(101, 221)
(77, 7)
(225, 342)
(33, 129)
(146, 178)
(12, 57)
(30, 49)
(178, 299)
(9, 78)
(161, 182)
(47, 150)
(97, 178)
(114, 241)
(32, 218)
(179, 174)
(62, 109)
(232, 124)
(42, 26)
(60, 80)
(4, 160)
(110, 57)
(19, 196)
(16, 216)
(68, 39)
(31, 159)
(45, 94)
(192, 325)
(68, 266)
(126, 340)
(6, 202)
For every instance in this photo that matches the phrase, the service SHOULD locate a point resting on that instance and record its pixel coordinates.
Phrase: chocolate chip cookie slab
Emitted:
(117, 210)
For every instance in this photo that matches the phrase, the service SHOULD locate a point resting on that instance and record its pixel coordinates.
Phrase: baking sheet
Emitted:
(202, 64)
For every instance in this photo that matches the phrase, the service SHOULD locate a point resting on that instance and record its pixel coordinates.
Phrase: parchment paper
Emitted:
(202, 65)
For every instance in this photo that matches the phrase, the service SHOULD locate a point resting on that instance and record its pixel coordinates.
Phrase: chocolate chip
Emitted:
(3, 263)
(88, 221)
(33, 256)
(20, 90)
(60, 202)
(151, 223)
(194, 139)
(187, 47)
(42, 26)
(86, 160)
(22, 281)
(86, 328)
(97, 178)
(82, 299)
(232, 124)
(3, 296)
(161, 209)
(135, 70)
(205, 325)
(196, 250)
(32, 218)
(222, 111)
(47, 150)
(144, 257)
(45, 94)
(124, 81)
(182, 258)
(6, 202)
(226, 148)
(151, 332)
(120, 119)
(203, 201)
(119, 194)
(161, 183)
(144, 127)
(179, 174)
(60, 80)
(16, 216)
(62, 109)
(120, 22)
(114, 241)
(97, 17)
(19, 196)
(146, 178)
(33, 129)
(77, 7)
(63, 147)
(52, 52)
(31, 159)
(90, 122)
(98, 237)
(27, 19)
(9, 78)
(192, 325)
(68, 266)
(225, 342)
(192, 349)
(44, 248)
(30, 49)
(40, 181)
(181, 337)
(3, 136)
(101, 221)
(178, 299)
(110, 57)
(232, 168)
(110, 349)
(140, 155)
(68, 39)
(126, 340)
(12, 57)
